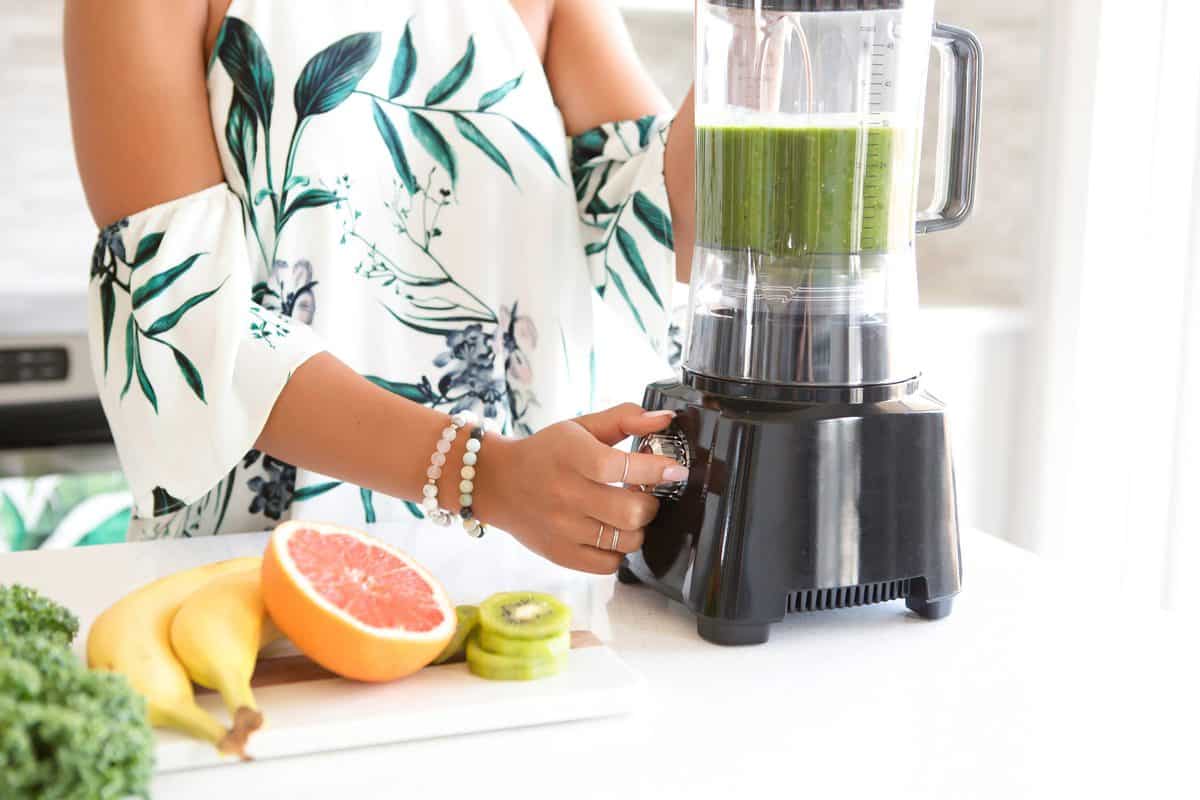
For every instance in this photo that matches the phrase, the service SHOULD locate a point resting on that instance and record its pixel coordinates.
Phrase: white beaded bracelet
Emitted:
(439, 516)
(470, 523)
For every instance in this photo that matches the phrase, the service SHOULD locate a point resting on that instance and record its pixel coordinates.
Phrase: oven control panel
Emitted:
(47, 395)
(34, 364)
(46, 369)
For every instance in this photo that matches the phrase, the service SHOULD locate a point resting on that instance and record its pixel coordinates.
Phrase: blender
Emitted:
(820, 473)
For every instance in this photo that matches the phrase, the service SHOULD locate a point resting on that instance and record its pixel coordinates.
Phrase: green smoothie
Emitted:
(790, 192)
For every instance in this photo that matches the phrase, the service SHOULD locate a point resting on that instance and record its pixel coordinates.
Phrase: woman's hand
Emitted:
(550, 491)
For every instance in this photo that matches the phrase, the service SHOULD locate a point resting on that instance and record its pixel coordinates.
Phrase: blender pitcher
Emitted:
(808, 141)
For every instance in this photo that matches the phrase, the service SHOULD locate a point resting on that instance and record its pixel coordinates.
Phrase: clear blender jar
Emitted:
(808, 140)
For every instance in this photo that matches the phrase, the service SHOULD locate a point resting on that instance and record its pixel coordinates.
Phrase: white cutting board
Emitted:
(331, 714)
(313, 712)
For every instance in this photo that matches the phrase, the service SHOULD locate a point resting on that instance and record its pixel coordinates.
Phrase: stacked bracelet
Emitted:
(435, 514)
(472, 525)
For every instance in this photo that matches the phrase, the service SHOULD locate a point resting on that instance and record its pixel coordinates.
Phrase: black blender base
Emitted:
(930, 609)
(738, 633)
(732, 634)
(800, 500)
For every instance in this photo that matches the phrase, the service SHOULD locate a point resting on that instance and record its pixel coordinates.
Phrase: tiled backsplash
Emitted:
(48, 233)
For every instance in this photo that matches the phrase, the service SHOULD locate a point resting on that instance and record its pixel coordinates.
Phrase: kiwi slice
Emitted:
(524, 615)
(497, 667)
(525, 648)
(468, 618)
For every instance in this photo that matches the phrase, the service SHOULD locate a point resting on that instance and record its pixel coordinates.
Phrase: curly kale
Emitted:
(23, 610)
(66, 732)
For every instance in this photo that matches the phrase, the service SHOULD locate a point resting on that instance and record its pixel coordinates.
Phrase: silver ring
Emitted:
(616, 538)
(599, 535)
(625, 472)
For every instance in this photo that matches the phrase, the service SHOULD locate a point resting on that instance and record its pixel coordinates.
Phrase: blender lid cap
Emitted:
(812, 5)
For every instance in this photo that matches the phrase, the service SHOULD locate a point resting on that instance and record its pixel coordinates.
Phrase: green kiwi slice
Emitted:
(525, 648)
(497, 667)
(468, 618)
(524, 615)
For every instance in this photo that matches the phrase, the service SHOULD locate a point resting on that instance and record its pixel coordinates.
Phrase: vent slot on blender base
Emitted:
(848, 596)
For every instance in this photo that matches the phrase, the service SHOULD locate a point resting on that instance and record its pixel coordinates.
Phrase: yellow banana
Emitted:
(217, 634)
(132, 637)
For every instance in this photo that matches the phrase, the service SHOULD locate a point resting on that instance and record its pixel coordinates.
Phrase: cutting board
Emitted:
(308, 710)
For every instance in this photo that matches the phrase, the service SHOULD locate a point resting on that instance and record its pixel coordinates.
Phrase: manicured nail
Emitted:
(674, 474)
(666, 412)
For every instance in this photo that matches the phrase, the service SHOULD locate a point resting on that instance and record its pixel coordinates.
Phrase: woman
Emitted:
(326, 227)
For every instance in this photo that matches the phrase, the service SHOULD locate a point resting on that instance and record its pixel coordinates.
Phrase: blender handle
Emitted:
(961, 58)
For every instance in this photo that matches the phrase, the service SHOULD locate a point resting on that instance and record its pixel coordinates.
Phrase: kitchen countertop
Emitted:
(1030, 688)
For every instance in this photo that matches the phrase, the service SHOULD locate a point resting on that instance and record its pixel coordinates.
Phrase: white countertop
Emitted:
(1028, 689)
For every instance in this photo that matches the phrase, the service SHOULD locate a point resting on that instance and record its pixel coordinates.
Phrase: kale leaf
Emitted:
(66, 732)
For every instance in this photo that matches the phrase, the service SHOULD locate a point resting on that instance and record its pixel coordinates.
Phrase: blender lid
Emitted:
(812, 5)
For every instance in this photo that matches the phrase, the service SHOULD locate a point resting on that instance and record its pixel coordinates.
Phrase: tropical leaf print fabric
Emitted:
(617, 170)
(399, 191)
(186, 376)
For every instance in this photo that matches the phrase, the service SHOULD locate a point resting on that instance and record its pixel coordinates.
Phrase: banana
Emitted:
(132, 637)
(217, 634)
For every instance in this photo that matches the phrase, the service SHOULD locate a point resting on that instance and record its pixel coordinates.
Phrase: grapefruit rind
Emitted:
(335, 639)
(279, 542)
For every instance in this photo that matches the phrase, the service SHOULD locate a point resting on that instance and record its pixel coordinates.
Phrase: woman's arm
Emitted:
(680, 169)
(143, 135)
(139, 104)
(596, 77)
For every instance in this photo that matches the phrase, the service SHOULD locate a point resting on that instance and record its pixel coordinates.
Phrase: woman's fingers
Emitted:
(620, 422)
(586, 531)
(646, 422)
(622, 541)
(606, 465)
(588, 559)
(625, 509)
(558, 503)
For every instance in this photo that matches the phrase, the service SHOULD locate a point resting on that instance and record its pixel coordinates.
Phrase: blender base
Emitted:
(801, 499)
(930, 609)
(625, 575)
(732, 634)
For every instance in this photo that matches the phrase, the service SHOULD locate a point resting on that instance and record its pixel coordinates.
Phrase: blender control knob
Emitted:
(674, 446)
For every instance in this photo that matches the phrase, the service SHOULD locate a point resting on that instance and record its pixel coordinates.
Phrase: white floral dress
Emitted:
(398, 192)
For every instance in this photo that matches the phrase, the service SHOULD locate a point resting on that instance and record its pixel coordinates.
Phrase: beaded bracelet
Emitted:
(440, 516)
(472, 525)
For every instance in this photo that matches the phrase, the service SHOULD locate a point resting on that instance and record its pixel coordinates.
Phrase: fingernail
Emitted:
(674, 474)
(666, 412)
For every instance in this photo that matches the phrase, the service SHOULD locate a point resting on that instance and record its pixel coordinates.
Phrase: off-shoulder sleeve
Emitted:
(617, 169)
(187, 365)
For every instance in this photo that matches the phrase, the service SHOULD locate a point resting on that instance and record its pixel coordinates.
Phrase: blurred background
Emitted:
(1061, 324)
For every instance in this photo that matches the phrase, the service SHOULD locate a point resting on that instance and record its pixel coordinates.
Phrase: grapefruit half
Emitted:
(355, 605)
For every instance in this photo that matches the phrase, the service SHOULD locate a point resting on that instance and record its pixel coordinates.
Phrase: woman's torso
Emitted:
(415, 209)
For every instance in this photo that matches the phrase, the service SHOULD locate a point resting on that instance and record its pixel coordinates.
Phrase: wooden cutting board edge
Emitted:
(281, 670)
